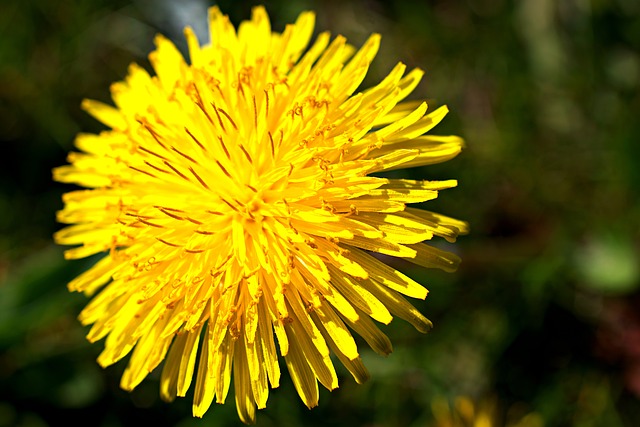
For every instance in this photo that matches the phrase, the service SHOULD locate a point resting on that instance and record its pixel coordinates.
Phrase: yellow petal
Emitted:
(302, 376)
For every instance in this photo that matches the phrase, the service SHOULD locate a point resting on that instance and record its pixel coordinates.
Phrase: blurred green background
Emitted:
(543, 316)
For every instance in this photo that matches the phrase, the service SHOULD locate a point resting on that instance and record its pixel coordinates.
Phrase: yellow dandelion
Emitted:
(234, 198)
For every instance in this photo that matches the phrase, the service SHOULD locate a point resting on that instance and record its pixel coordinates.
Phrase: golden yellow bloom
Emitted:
(235, 200)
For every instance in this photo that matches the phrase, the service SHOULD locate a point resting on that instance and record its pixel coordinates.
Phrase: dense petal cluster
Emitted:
(234, 198)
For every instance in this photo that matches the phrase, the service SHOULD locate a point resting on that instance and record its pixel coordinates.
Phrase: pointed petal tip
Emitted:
(188, 31)
(159, 40)
(425, 326)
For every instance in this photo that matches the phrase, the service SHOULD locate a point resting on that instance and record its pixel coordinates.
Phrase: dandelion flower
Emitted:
(234, 198)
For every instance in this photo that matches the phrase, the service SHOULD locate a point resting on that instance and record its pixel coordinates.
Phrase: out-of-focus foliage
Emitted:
(542, 317)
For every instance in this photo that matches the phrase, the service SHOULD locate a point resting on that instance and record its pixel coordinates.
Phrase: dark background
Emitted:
(542, 316)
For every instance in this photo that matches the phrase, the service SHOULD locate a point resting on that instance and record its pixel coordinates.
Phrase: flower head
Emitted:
(234, 198)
